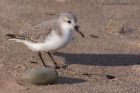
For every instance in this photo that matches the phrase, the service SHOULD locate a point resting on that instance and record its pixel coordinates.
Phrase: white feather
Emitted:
(53, 42)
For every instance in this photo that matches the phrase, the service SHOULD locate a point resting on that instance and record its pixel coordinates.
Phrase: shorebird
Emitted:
(49, 36)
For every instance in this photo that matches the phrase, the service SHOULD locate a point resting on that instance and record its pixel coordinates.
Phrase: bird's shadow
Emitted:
(100, 59)
(69, 80)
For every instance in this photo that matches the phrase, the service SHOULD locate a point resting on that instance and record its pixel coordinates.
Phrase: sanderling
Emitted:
(49, 36)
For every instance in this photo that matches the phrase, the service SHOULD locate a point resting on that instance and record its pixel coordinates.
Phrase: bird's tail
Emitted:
(14, 36)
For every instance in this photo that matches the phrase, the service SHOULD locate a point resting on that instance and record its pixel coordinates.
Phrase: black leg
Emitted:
(55, 64)
(39, 54)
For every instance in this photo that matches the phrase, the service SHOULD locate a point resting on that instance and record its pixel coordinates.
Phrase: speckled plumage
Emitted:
(40, 32)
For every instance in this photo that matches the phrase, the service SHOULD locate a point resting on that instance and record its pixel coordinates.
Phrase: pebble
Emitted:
(110, 77)
(40, 76)
(61, 0)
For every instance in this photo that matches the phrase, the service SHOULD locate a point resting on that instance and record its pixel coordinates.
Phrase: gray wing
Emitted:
(38, 33)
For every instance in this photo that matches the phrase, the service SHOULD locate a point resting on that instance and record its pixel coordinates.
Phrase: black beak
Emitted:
(77, 29)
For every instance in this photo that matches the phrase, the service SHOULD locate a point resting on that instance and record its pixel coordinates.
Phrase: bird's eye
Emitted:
(69, 22)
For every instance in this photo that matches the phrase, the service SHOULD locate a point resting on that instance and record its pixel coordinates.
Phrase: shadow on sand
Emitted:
(100, 59)
(69, 80)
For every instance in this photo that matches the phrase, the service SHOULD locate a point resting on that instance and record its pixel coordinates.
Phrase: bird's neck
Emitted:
(67, 33)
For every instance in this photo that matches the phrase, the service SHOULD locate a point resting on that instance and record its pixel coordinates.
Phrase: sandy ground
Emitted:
(111, 46)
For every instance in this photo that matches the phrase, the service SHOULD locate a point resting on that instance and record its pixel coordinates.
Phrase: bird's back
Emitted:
(38, 33)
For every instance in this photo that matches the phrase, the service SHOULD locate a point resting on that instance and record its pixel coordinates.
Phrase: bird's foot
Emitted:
(64, 66)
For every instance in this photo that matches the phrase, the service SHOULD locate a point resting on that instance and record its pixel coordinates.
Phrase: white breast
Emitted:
(53, 42)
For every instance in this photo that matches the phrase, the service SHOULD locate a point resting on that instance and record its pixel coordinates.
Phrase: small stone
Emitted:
(113, 26)
(61, 0)
(40, 76)
(21, 67)
(126, 30)
(110, 77)
(93, 36)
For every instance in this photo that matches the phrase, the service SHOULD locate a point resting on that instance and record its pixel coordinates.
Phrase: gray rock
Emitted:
(40, 76)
